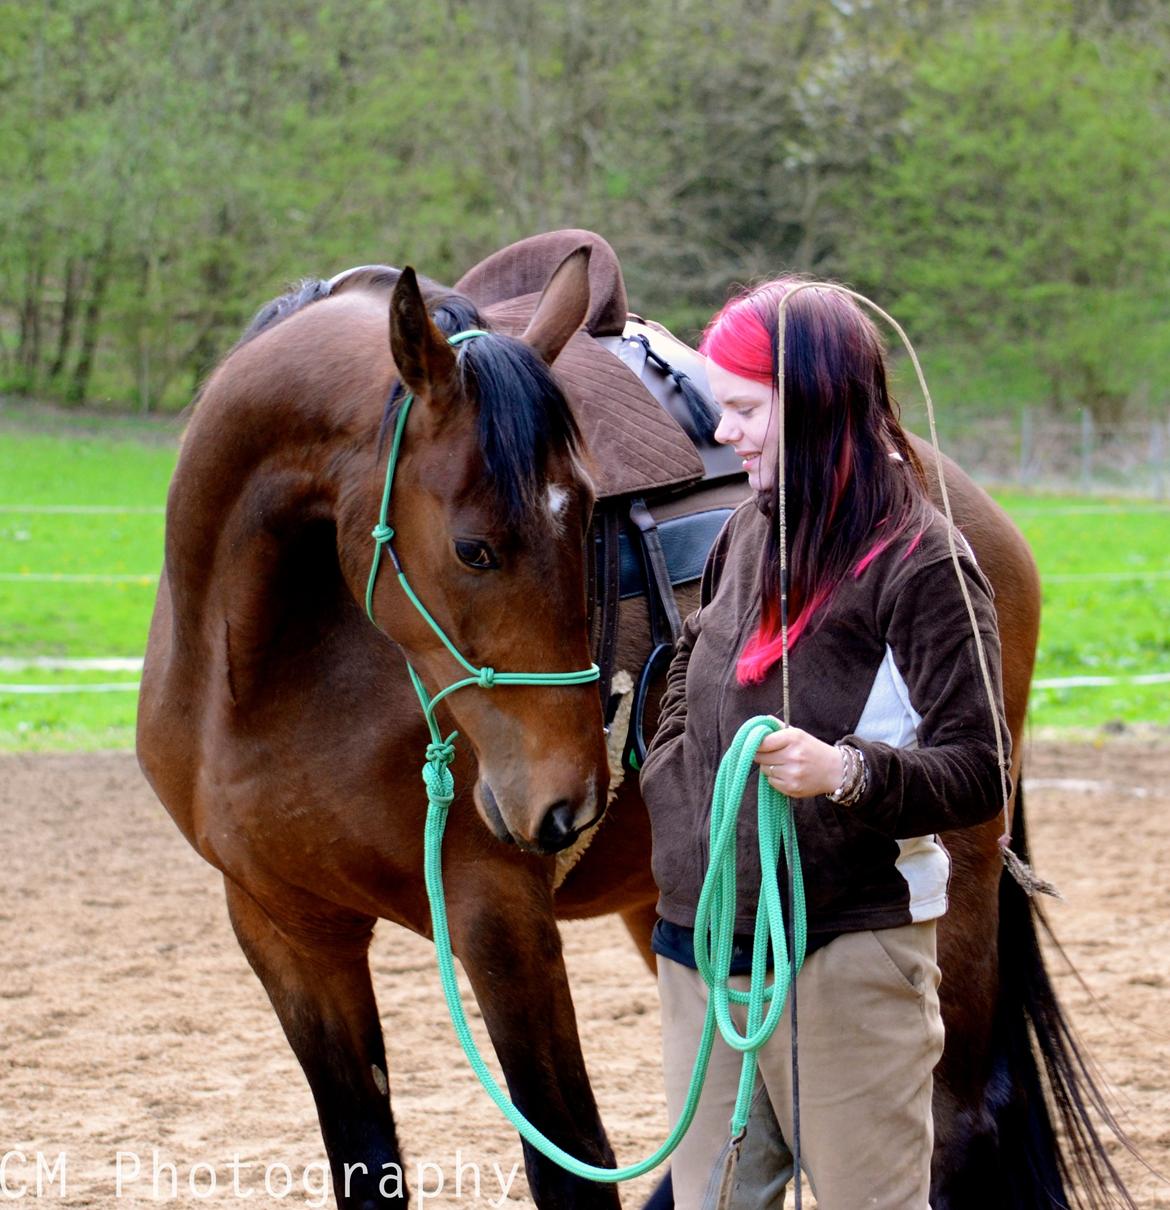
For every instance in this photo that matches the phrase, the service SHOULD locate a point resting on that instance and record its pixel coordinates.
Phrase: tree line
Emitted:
(993, 171)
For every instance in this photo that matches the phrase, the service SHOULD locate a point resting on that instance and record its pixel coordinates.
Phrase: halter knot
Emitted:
(440, 784)
(381, 533)
(486, 678)
(441, 754)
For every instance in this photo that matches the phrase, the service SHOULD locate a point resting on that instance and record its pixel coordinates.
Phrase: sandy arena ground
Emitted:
(130, 1021)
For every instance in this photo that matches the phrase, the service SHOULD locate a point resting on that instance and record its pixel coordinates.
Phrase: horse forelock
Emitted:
(524, 421)
(523, 417)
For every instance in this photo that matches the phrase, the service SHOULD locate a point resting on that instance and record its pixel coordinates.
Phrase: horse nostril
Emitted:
(557, 829)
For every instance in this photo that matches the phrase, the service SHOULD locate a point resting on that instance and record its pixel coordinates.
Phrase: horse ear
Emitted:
(425, 361)
(562, 306)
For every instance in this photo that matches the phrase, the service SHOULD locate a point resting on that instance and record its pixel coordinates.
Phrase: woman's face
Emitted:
(747, 422)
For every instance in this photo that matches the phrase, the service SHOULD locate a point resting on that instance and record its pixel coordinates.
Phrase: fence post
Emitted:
(1158, 429)
(1025, 444)
(1086, 451)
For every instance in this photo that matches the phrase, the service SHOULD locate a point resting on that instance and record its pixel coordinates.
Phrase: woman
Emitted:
(891, 740)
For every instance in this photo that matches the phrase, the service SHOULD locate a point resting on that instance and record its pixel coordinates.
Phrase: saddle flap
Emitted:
(523, 268)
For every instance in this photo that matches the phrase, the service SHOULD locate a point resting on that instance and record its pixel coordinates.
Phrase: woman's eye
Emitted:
(476, 554)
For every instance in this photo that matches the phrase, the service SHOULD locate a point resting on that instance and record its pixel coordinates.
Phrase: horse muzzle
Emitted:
(554, 827)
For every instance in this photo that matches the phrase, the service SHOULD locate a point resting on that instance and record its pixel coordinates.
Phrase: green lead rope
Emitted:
(484, 678)
(716, 916)
(715, 920)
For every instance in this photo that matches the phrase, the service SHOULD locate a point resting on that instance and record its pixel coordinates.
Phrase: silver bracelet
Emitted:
(848, 773)
(854, 776)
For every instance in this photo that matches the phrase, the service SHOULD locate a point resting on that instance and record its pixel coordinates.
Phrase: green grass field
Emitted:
(1105, 569)
(1105, 565)
(51, 461)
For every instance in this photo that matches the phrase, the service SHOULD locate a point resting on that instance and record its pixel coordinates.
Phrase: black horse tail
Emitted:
(1039, 1063)
(662, 1197)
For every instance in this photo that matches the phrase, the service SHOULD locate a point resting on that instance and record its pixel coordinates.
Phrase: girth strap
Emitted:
(665, 623)
(604, 599)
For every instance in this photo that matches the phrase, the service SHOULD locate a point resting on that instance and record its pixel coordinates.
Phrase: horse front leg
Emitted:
(509, 945)
(314, 966)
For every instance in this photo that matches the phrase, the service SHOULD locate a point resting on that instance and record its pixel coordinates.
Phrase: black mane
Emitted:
(308, 290)
(523, 418)
(313, 289)
(523, 414)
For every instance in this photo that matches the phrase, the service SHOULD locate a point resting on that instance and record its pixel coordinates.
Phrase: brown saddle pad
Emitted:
(637, 447)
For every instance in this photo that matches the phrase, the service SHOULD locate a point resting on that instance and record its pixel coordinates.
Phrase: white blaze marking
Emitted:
(558, 498)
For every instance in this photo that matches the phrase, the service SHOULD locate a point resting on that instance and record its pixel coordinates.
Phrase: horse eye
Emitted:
(476, 554)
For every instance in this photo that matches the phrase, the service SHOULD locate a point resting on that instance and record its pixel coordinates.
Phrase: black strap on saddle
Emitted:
(604, 602)
(604, 597)
(700, 410)
(665, 624)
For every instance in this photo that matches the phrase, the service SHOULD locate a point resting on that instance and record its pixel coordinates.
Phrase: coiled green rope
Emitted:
(716, 917)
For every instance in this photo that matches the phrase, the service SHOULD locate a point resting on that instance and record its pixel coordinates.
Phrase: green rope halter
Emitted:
(442, 752)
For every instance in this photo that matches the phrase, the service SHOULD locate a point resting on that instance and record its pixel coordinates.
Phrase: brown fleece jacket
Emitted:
(890, 664)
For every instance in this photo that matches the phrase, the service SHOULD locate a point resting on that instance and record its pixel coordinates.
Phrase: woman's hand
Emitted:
(799, 764)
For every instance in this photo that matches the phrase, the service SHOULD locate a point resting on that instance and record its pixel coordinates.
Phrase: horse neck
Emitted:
(251, 527)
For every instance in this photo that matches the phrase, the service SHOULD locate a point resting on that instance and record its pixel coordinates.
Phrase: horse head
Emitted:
(489, 510)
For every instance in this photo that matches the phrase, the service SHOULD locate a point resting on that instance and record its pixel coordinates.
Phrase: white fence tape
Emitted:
(1092, 682)
(85, 510)
(44, 690)
(23, 663)
(61, 577)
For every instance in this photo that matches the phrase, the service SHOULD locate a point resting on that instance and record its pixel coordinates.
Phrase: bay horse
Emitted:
(279, 729)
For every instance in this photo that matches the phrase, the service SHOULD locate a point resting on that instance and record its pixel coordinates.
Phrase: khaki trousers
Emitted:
(870, 1033)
